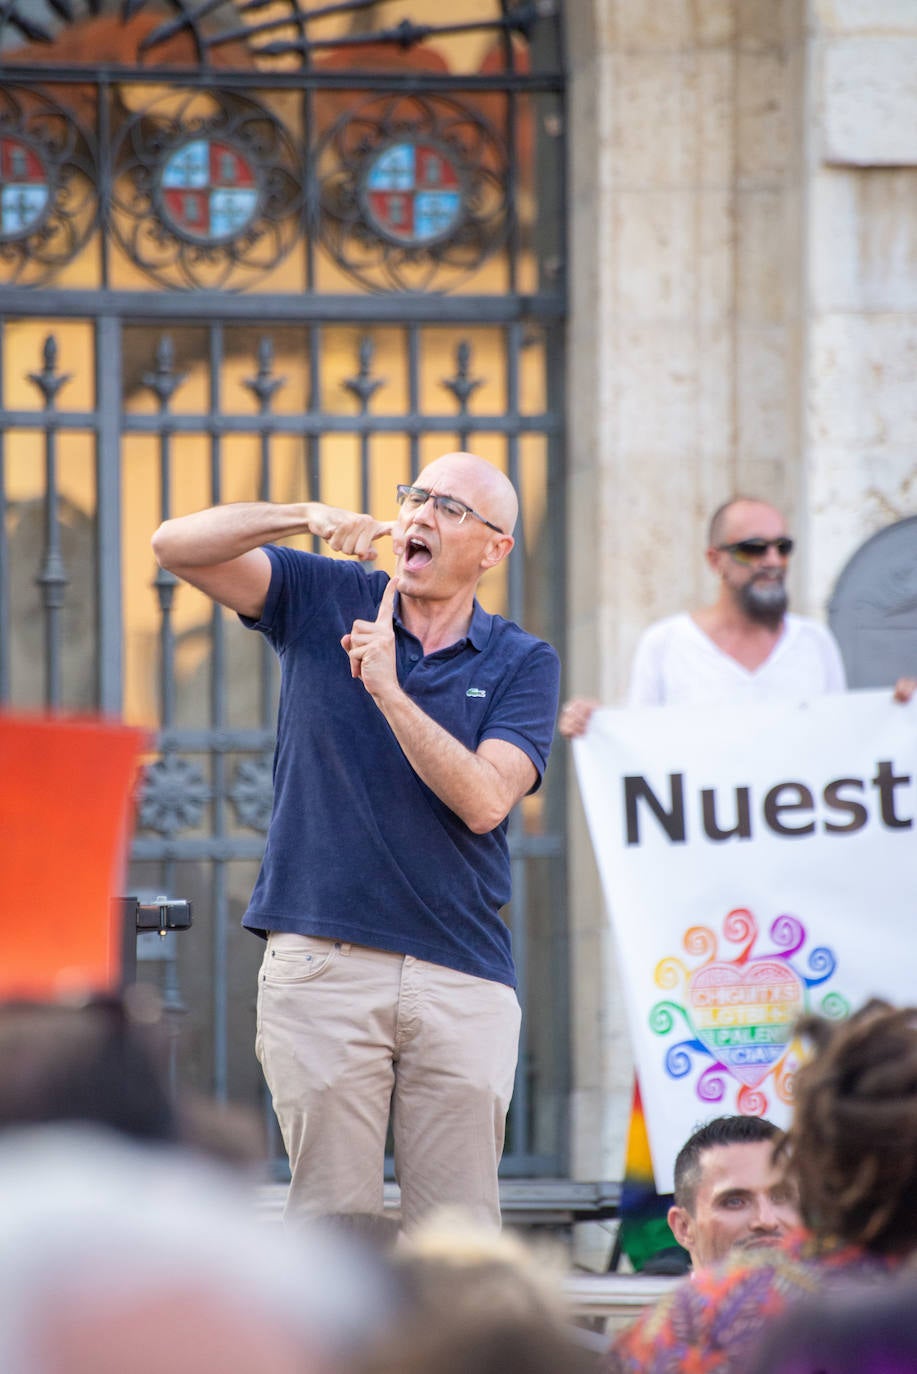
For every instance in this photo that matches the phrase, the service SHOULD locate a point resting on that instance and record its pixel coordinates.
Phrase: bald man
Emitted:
(410, 724)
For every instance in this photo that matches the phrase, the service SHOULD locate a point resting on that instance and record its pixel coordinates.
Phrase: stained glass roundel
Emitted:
(25, 187)
(208, 190)
(412, 193)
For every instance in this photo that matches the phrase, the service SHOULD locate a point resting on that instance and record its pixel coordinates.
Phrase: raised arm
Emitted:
(220, 549)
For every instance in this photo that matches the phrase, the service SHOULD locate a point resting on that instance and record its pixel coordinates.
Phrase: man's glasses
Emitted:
(750, 550)
(454, 510)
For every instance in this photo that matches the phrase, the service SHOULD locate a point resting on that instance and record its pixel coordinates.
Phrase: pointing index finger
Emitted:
(386, 605)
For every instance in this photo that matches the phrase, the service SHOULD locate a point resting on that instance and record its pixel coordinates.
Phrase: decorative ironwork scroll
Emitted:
(295, 29)
(206, 193)
(47, 194)
(412, 187)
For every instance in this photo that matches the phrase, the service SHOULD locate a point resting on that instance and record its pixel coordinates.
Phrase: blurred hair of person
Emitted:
(118, 1256)
(451, 1258)
(482, 1301)
(852, 1151)
(494, 1345)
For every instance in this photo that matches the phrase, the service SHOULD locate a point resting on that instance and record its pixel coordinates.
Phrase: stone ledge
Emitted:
(538, 1201)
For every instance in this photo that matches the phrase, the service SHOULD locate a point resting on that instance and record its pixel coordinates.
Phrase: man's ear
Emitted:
(496, 550)
(681, 1226)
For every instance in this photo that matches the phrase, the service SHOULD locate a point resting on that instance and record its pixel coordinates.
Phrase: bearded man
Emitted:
(746, 646)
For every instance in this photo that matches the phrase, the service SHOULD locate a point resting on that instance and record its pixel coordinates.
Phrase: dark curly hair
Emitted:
(853, 1143)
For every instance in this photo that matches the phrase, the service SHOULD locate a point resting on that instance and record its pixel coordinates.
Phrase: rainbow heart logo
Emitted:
(744, 1013)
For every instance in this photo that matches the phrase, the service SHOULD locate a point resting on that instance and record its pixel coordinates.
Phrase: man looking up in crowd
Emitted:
(410, 723)
(852, 1152)
(729, 1195)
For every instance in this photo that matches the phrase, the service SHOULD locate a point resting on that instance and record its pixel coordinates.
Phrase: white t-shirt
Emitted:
(677, 664)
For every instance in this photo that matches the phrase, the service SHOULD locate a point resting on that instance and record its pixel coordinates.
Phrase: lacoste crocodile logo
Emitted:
(475, 692)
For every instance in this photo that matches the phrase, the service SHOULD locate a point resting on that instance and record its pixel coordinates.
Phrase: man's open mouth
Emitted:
(416, 554)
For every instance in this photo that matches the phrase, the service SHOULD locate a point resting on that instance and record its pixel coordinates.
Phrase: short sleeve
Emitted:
(524, 714)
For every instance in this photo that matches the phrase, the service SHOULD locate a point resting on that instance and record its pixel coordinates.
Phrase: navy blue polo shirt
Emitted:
(358, 847)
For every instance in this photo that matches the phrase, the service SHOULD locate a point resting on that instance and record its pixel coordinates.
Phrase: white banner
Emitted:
(757, 862)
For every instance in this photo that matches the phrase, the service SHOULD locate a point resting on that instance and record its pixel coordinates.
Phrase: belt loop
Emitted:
(345, 948)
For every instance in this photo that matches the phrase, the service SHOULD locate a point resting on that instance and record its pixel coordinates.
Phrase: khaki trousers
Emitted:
(344, 1035)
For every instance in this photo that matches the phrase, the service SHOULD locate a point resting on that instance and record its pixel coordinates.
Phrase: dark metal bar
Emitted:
(36, 419)
(463, 387)
(405, 34)
(414, 397)
(304, 424)
(512, 181)
(220, 741)
(201, 850)
(219, 906)
(163, 381)
(340, 424)
(172, 1002)
(313, 441)
(364, 386)
(265, 386)
(218, 647)
(142, 307)
(166, 583)
(364, 471)
(554, 609)
(108, 514)
(520, 1105)
(52, 579)
(317, 78)
(104, 184)
(220, 1051)
(310, 209)
(277, 424)
(517, 559)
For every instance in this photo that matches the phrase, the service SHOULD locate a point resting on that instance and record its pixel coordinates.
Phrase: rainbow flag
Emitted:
(644, 1231)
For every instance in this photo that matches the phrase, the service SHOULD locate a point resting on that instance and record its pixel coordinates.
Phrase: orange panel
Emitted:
(65, 813)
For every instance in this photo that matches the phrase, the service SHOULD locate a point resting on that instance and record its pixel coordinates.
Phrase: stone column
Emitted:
(683, 381)
(861, 259)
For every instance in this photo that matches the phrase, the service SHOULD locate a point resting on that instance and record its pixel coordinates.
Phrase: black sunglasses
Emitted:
(749, 550)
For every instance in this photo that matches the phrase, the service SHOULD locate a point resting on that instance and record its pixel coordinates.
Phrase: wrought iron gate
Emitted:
(285, 262)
